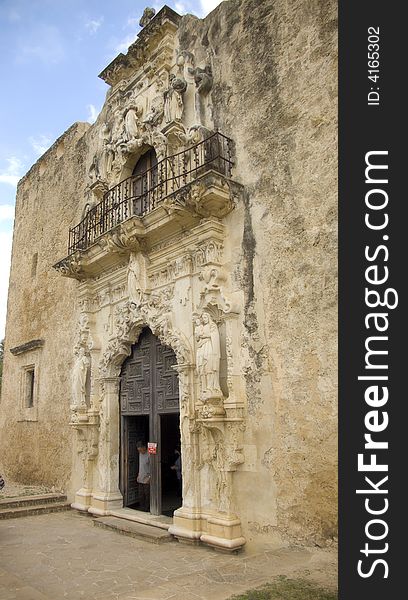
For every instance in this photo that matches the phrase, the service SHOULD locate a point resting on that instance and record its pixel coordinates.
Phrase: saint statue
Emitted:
(208, 356)
(173, 99)
(132, 122)
(134, 278)
(79, 375)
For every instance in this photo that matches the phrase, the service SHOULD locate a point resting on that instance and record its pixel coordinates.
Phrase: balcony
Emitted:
(174, 195)
(139, 195)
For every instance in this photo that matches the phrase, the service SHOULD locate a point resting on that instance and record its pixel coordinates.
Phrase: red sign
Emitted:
(152, 447)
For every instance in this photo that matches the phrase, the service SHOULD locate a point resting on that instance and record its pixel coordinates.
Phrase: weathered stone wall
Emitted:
(35, 444)
(274, 93)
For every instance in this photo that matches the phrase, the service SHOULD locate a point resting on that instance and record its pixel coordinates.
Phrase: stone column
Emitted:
(79, 472)
(187, 521)
(108, 496)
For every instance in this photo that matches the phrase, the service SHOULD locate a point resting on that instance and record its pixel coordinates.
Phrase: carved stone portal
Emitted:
(207, 443)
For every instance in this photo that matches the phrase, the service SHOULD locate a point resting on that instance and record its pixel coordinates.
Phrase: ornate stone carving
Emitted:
(194, 135)
(152, 311)
(159, 141)
(222, 450)
(203, 80)
(132, 116)
(121, 240)
(230, 363)
(208, 352)
(136, 277)
(185, 63)
(173, 99)
(82, 364)
(70, 266)
(147, 16)
(194, 260)
(79, 376)
(156, 112)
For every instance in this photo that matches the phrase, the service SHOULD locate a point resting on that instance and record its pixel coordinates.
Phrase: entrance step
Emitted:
(25, 506)
(148, 533)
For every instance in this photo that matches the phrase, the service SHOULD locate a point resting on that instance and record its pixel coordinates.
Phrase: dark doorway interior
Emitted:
(149, 404)
(145, 179)
(134, 429)
(170, 442)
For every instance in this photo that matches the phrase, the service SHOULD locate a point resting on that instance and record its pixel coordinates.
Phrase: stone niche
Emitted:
(151, 249)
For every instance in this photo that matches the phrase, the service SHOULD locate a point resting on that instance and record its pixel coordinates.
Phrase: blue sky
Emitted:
(51, 52)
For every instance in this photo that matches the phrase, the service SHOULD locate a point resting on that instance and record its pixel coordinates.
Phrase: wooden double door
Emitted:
(149, 400)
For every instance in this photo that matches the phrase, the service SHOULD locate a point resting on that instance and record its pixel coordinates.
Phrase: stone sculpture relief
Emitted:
(132, 117)
(208, 354)
(185, 63)
(82, 364)
(173, 99)
(147, 16)
(79, 376)
(203, 80)
(153, 311)
(136, 277)
(71, 266)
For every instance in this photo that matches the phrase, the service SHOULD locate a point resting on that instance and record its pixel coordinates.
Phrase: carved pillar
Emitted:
(223, 527)
(233, 404)
(80, 479)
(108, 495)
(187, 521)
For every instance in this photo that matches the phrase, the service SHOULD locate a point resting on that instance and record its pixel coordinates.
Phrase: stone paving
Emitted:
(15, 490)
(58, 556)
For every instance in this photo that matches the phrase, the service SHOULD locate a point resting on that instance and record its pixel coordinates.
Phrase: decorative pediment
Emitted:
(149, 42)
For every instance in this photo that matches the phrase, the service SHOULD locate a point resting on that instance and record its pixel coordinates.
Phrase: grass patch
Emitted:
(288, 589)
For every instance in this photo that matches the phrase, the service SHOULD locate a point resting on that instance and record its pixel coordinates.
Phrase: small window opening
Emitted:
(34, 264)
(29, 396)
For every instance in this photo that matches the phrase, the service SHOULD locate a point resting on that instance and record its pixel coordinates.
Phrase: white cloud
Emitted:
(43, 44)
(6, 212)
(133, 22)
(40, 144)
(14, 16)
(93, 25)
(5, 253)
(92, 113)
(13, 172)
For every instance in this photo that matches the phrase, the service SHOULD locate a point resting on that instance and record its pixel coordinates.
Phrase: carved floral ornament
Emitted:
(70, 266)
(153, 311)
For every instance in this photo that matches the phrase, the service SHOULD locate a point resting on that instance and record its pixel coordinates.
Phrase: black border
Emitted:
(363, 128)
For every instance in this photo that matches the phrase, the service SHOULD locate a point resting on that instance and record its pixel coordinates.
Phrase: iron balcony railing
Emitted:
(140, 194)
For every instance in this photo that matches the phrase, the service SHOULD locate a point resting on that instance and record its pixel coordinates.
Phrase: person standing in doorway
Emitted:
(177, 468)
(143, 477)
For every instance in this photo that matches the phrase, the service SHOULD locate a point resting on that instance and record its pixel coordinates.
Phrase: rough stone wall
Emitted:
(41, 305)
(275, 76)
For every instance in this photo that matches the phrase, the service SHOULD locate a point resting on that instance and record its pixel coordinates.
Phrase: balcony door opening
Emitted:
(144, 181)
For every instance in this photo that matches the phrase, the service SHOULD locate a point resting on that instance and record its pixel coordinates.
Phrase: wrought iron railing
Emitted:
(140, 194)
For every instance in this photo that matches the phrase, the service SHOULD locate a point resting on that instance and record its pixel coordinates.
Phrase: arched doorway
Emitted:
(149, 408)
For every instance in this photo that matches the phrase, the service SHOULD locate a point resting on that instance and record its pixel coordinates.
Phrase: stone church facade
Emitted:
(194, 306)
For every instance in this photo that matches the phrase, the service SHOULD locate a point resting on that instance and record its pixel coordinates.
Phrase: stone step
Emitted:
(31, 500)
(28, 511)
(155, 535)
